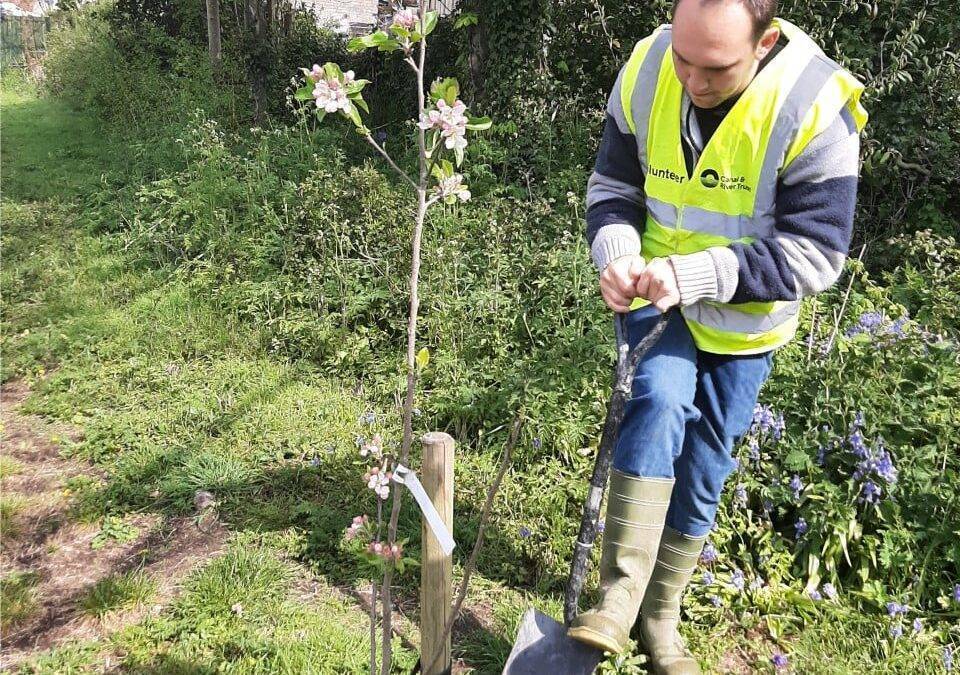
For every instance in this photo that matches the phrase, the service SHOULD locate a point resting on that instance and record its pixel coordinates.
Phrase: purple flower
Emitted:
(779, 426)
(754, 447)
(763, 418)
(779, 660)
(948, 658)
(801, 527)
(736, 580)
(380, 136)
(815, 595)
(830, 591)
(896, 630)
(895, 608)
(796, 485)
(601, 526)
(709, 554)
(368, 417)
(537, 443)
(822, 455)
(857, 446)
(767, 505)
(707, 578)
(956, 593)
(715, 600)
(870, 492)
(740, 495)
(917, 625)
(525, 532)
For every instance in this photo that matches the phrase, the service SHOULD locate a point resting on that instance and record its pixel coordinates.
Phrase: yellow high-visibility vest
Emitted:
(730, 195)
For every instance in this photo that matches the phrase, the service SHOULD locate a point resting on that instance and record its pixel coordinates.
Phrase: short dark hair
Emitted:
(761, 13)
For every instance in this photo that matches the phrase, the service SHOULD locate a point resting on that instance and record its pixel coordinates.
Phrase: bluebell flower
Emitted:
(368, 417)
(948, 658)
(707, 578)
(796, 485)
(708, 554)
(956, 593)
(830, 591)
(537, 443)
(779, 426)
(917, 625)
(315, 462)
(740, 495)
(896, 630)
(767, 506)
(754, 447)
(815, 595)
(857, 446)
(779, 661)
(715, 600)
(736, 580)
(601, 526)
(870, 492)
(525, 532)
(822, 455)
(895, 608)
(801, 527)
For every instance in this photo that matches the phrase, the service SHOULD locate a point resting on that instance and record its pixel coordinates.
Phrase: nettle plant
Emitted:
(442, 128)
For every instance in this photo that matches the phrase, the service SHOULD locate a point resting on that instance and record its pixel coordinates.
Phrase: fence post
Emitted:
(436, 571)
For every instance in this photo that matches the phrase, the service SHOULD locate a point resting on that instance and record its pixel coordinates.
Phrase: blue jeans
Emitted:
(687, 411)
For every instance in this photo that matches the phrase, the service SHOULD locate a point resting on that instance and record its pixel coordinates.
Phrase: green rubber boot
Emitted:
(660, 610)
(636, 512)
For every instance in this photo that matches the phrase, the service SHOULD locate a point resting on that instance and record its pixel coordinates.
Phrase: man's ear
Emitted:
(769, 38)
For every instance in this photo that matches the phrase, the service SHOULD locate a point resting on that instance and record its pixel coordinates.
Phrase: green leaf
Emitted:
(447, 89)
(356, 86)
(358, 100)
(367, 41)
(304, 93)
(333, 71)
(423, 358)
(479, 123)
(430, 22)
(466, 19)
(458, 153)
(354, 115)
(321, 113)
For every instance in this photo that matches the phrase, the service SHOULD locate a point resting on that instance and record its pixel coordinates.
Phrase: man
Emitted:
(723, 192)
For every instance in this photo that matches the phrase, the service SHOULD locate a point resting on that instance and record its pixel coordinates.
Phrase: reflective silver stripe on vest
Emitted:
(795, 107)
(662, 212)
(641, 100)
(728, 318)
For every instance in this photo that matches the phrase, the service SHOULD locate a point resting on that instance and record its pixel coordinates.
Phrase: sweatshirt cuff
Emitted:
(614, 241)
(696, 277)
(728, 271)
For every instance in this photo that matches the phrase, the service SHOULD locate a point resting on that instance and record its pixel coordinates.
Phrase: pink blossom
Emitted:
(330, 95)
(315, 73)
(450, 120)
(405, 18)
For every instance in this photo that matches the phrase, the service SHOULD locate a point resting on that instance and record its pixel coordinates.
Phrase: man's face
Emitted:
(714, 51)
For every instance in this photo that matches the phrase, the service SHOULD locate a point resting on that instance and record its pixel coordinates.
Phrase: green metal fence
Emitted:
(22, 39)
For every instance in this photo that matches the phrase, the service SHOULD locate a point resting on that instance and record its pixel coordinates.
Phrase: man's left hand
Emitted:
(658, 284)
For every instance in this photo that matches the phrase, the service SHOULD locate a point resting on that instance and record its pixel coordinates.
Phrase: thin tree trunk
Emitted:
(213, 33)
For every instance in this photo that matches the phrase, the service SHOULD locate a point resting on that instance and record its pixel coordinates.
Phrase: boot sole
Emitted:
(595, 639)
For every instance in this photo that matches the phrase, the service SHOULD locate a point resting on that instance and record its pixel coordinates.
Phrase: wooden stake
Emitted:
(436, 571)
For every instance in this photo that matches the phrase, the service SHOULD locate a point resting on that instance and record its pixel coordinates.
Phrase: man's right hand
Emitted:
(618, 282)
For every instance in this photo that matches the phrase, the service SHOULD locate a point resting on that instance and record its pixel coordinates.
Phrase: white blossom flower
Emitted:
(453, 186)
(330, 95)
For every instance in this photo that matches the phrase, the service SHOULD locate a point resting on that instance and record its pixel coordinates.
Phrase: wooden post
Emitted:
(213, 33)
(436, 571)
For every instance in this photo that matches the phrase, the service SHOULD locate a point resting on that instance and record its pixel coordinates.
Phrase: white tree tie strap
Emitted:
(405, 476)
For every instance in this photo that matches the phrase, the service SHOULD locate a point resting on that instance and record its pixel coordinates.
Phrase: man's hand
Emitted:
(618, 282)
(658, 284)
